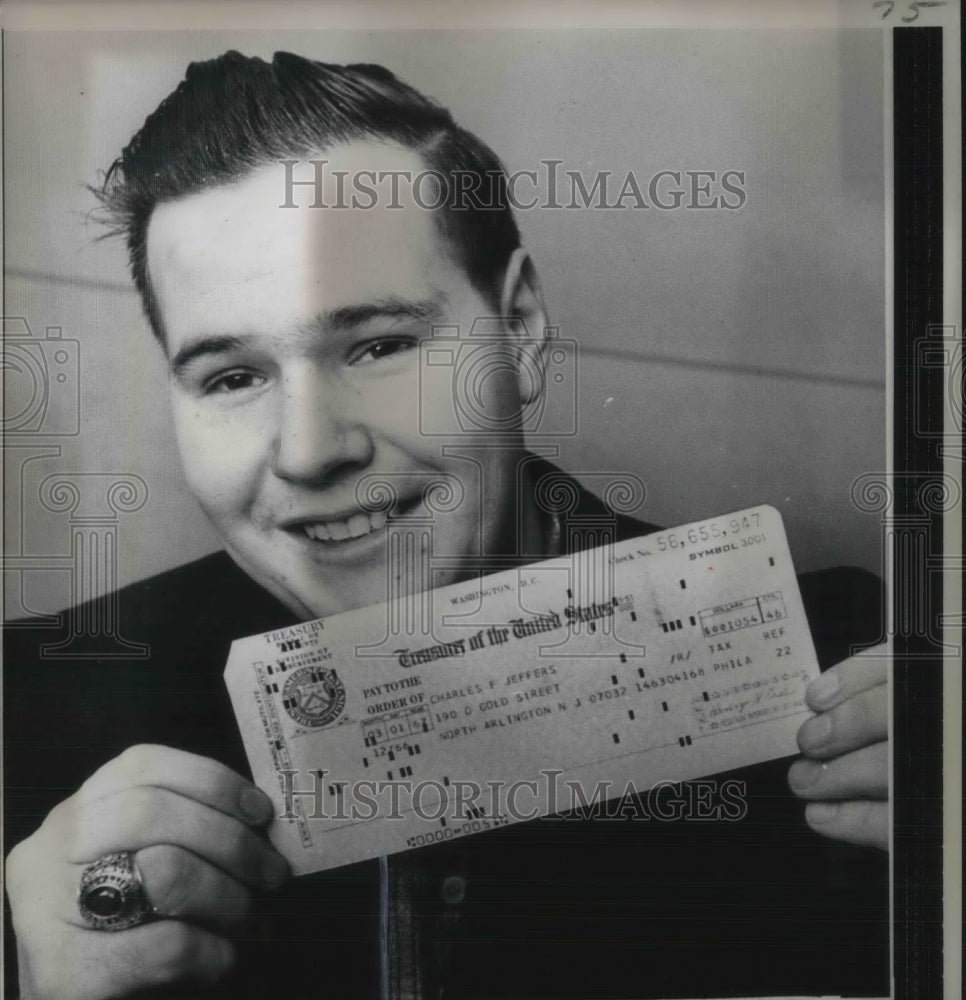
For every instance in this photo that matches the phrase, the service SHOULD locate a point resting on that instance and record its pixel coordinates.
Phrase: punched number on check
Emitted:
(663, 658)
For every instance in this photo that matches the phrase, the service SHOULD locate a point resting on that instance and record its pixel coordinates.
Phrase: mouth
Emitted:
(359, 524)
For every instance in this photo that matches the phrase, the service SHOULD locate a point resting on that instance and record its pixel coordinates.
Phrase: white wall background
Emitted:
(727, 358)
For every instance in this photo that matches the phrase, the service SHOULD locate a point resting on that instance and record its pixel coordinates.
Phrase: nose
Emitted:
(318, 438)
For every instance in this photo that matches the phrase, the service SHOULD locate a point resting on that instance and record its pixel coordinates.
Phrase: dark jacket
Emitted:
(557, 907)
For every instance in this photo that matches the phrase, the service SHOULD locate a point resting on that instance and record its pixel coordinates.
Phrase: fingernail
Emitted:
(815, 732)
(820, 813)
(256, 805)
(824, 688)
(804, 773)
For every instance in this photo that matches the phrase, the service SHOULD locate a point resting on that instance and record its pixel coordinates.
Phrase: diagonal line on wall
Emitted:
(736, 368)
(613, 354)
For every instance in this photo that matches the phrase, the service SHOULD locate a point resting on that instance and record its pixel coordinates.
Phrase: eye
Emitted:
(233, 381)
(383, 349)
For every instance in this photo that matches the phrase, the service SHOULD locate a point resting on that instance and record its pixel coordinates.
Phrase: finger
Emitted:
(138, 818)
(188, 774)
(859, 673)
(181, 885)
(151, 955)
(863, 822)
(857, 722)
(863, 773)
(178, 885)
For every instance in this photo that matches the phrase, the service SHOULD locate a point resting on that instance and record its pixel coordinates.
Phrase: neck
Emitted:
(524, 532)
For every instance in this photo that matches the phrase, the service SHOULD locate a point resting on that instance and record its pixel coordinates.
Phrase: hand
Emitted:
(845, 771)
(196, 831)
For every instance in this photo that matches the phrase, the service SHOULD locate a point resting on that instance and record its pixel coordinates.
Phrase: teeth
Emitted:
(358, 525)
(355, 527)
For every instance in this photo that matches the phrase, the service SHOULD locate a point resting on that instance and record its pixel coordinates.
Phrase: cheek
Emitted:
(393, 412)
(478, 399)
(222, 460)
(390, 406)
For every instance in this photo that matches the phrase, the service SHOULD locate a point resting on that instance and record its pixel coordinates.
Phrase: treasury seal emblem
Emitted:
(314, 697)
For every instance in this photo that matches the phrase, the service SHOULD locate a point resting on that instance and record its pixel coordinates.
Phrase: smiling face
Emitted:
(293, 344)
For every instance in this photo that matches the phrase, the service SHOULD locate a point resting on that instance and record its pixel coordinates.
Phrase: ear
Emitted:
(525, 318)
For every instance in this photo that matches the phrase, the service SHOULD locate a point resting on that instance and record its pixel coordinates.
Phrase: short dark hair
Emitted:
(235, 113)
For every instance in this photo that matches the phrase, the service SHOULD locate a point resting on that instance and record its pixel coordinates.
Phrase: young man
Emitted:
(292, 337)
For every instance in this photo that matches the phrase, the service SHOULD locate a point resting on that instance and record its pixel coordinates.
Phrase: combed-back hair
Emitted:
(233, 114)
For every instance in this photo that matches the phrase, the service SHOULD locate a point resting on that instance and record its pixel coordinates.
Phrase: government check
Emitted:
(668, 657)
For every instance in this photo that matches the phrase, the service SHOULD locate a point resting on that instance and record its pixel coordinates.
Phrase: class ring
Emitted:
(111, 895)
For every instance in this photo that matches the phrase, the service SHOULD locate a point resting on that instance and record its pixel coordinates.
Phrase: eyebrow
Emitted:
(348, 317)
(203, 346)
(340, 320)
